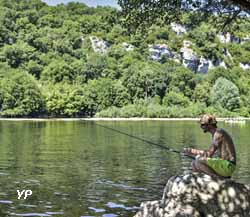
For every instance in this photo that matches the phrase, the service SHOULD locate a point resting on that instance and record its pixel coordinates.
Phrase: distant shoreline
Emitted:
(119, 119)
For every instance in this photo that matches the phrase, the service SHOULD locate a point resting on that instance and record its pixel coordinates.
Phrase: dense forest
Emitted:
(76, 61)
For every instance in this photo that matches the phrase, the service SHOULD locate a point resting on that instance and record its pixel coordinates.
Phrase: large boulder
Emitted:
(199, 195)
(158, 51)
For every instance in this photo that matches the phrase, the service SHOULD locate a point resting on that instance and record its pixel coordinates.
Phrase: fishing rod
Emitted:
(146, 141)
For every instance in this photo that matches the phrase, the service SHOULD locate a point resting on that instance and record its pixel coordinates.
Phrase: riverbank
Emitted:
(118, 119)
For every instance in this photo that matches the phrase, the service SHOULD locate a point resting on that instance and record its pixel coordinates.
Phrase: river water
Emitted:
(79, 169)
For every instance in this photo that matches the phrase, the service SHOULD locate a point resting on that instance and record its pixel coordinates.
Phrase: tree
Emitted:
(138, 12)
(17, 54)
(20, 95)
(57, 71)
(65, 100)
(202, 93)
(183, 80)
(175, 99)
(103, 93)
(226, 94)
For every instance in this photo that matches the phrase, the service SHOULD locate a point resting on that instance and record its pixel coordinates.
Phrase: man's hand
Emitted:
(186, 151)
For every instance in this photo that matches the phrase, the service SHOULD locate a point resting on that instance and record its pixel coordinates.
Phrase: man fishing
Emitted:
(220, 159)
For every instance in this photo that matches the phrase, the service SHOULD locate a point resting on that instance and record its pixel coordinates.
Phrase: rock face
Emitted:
(245, 39)
(199, 195)
(228, 38)
(245, 66)
(99, 45)
(189, 57)
(128, 47)
(178, 29)
(203, 66)
(157, 51)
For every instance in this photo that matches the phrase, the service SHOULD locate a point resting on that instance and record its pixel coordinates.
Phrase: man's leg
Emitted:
(202, 167)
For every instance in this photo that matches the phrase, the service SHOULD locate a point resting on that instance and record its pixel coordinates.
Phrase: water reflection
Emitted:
(80, 169)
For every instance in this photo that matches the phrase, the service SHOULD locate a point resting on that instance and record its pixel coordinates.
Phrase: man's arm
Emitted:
(206, 153)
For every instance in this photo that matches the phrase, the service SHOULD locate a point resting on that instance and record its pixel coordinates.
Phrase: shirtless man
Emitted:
(220, 159)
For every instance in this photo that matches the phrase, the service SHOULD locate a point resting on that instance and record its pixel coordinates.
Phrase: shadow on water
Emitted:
(79, 169)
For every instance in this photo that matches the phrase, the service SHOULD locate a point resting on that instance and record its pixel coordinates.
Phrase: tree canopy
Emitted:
(137, 12)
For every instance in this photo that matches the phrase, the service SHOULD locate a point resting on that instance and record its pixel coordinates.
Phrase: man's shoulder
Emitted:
(222, 132)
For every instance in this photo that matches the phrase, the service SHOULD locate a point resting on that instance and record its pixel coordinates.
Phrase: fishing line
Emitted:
(146, 141)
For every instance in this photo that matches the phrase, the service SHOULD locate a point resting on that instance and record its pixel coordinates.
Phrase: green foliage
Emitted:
(58, 71)
(214, 74)
(153, 111)
(17, 54)
(64, 100)
(204, 37)
(202, 93)
(49, 47)
(139, 14)
(103, 93)
(175, 99)
(183, 80)
(20, 95)
(226, 94)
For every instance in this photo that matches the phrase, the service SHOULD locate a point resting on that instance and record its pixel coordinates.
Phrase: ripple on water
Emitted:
(38, 214)
(31, 214)
(109, 215)
(119, 185)
(115, 205)
(97, 210)
(5, 202)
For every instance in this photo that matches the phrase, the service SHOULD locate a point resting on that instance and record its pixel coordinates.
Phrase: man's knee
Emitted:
(194, 167)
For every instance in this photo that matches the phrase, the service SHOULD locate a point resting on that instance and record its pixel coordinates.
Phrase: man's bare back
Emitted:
(225, 145)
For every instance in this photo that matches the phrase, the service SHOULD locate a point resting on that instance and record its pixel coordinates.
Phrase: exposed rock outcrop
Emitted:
(203, 66)
(228, 38)
(128, 47)
(245, 39)
(245, 66)
(189, 57)
(157, 51)
(199, 195)
(178, 29)
(99, 45)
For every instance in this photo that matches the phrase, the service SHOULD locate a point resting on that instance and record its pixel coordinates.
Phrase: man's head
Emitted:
(208, 122)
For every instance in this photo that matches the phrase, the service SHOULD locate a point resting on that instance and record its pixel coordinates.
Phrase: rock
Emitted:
(217, 63)
(245, 66)
(203, 66)
(128, 47)
(189, 59)
(99, 45)
(228, 38)
(188, 56)
(157, 51)
(178, 29)
(245, 39)
(199, 195)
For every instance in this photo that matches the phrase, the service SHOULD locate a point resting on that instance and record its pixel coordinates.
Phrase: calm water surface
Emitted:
(79, 169)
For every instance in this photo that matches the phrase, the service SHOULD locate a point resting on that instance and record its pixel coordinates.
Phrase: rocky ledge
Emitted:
(199, 195)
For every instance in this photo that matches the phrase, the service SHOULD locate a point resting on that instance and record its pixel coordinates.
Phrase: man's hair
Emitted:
(208, 119)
